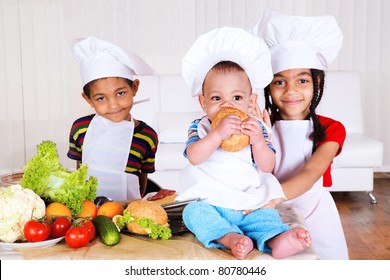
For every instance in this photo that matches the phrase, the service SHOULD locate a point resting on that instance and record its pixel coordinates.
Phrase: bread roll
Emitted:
(236, 142)
(147, 209)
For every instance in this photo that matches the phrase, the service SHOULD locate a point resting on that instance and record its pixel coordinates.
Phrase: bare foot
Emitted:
(240, 245)
(289, 243)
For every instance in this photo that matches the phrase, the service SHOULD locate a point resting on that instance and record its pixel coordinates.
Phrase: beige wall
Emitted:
(39, 79)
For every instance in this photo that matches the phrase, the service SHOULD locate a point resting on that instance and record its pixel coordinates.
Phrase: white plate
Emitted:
(42, 244)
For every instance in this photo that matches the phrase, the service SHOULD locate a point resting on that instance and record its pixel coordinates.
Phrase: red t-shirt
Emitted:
(335, 132)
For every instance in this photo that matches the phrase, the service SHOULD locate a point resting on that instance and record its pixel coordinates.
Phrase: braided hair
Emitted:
(318, 134)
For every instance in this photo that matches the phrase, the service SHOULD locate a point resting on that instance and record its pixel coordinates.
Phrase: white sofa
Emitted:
(171, 109)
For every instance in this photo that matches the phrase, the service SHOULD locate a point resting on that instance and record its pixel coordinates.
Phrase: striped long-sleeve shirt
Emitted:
(142, 152)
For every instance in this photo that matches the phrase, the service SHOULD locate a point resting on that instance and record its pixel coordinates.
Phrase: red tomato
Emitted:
(90, 227)
(36, 231)
(59, 227)
(77, 237)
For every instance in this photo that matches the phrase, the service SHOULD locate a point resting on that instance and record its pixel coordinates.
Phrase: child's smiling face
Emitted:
(230, 88)
(112, 98)
(292, 91)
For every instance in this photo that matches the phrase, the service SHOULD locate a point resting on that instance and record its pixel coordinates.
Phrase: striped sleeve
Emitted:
(193, 135)
(76, 137)
(267, 138)
(143, 150)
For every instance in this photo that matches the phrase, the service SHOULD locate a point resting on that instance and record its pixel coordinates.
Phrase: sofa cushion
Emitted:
(173, 127)
(342, 100)
(175, 95)
(170, 157)
(148, 90)
(359, 151)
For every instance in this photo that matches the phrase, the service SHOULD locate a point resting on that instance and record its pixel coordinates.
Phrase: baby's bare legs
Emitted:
(240, 245)
(289, 243)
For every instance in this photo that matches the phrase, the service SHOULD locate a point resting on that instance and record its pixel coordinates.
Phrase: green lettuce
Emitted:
(45, 175)
(154, 230)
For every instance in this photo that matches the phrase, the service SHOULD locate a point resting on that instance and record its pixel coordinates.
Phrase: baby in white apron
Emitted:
(229, 182)
(301, 49)
(105, 140)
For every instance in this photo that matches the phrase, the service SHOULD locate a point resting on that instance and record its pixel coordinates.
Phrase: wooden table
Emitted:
(134, 247)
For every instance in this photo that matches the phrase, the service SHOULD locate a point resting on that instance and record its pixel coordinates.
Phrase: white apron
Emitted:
(293, 149)
(106, 151)
(228, 180)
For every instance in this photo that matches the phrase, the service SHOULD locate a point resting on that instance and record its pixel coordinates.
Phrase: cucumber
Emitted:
(106, 230)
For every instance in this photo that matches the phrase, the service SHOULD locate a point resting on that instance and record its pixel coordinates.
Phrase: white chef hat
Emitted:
(227, 44)
(101, 59)
(299, 41)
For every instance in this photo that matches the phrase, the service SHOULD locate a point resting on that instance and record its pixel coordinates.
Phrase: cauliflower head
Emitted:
(17, 206)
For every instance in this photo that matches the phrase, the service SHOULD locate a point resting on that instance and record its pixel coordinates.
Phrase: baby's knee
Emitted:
(194, 209)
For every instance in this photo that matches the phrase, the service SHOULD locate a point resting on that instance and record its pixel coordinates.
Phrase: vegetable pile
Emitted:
(45, 175)
(17, 206)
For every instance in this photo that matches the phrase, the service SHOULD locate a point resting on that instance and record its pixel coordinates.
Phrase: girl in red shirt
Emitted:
(301, 49)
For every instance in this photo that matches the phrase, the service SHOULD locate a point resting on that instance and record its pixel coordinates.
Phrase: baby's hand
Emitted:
(254, 111)
(228, 126)
(253, 129)
(246, 212)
